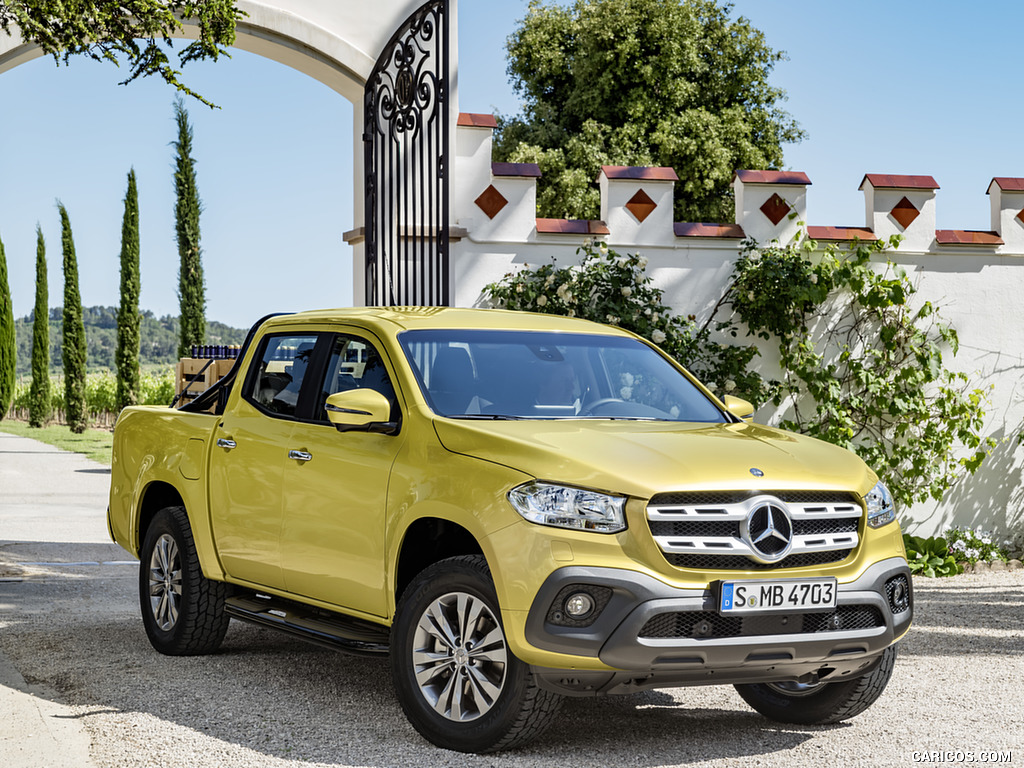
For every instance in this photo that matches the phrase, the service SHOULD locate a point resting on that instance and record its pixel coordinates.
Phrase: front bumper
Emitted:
(662, 636)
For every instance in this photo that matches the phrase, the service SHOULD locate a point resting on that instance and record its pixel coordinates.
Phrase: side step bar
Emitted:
(332, 630)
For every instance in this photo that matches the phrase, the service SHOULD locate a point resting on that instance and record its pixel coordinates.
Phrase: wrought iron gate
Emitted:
(405, 139)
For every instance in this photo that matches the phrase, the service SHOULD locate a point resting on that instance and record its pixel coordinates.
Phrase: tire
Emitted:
(182, 611)
(455, 676)
(821, 703)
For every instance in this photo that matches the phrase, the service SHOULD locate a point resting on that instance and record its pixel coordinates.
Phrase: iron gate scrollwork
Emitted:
(406, 150)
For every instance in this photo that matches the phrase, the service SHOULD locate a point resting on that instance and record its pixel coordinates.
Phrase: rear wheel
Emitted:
(820, 703)
(457, 680)
(182, 611)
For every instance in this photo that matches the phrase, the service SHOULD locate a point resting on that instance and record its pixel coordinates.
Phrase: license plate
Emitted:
(763, 596)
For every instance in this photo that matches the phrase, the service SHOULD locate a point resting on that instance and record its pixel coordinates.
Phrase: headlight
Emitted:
(881, 509)
(565, 507)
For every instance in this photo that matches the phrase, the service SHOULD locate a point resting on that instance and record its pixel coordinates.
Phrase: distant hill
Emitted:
(159, 338)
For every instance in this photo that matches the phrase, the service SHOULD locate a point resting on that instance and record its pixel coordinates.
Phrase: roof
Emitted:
(967, 237)
(701, 229)
(772, 177)
(571, 227)
(841, 233)
(524, 170)
(639, 173)
(474, 120)
(409, 318)
(890, 181)
(1007, 184)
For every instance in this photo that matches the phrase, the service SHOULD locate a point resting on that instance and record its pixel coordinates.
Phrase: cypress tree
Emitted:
(127, 354)
(8, 345)
(187, 207)
(73, 350)
(39, 392)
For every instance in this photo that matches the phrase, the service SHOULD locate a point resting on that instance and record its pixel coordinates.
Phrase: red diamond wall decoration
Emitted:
(904, 212)
(641, 205)
(775, 208)
(491, 201)
(1021, 216)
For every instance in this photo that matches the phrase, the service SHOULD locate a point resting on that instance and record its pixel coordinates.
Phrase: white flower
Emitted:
(641, 261)
(622, 261)
(647, 311)
(549, 281)
(657, 336)
(750, 296)
(542, 300)
(655, 317)
(730, 385)
(814, 279)
(519, 288)
(611, 319)
(587, 242)
(626, 392)
(602, 247)
(627, 291)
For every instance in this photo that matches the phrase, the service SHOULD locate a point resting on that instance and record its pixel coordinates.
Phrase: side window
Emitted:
(280, 372)
(354, 364)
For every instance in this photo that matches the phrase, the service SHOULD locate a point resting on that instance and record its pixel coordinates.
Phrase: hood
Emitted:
(641, 458)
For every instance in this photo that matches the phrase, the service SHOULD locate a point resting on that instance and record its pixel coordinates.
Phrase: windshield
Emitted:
(536, 375)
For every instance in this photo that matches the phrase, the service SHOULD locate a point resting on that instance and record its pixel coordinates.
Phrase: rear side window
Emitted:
(280, 372)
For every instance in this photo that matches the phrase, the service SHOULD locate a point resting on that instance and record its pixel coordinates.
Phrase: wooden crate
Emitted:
(189, 366)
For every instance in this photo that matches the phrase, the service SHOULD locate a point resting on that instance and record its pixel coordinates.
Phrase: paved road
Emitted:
(98, 696)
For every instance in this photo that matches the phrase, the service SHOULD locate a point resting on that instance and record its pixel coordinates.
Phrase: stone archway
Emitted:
(336, 42)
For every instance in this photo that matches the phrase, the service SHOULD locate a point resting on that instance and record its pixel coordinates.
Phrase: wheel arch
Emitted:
(155, 496)
(426, 541)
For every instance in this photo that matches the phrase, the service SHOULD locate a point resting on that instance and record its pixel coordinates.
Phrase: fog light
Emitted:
(579, 605)
(899, 594)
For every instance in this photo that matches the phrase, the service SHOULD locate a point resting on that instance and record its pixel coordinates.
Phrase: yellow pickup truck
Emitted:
(515, 508)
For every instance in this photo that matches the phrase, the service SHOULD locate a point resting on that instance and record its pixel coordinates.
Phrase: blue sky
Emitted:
(880, 87)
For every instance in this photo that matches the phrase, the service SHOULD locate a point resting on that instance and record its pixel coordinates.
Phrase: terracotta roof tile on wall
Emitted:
(571, 227)
(526, 170)
(966, 237)
(700, 229)
(477, 120)
(891, 181)
(772, 177)
(1008, 184)
(840, 233)
(640, 173)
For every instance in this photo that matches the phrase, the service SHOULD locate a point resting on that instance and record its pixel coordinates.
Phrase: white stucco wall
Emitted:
(978, 288)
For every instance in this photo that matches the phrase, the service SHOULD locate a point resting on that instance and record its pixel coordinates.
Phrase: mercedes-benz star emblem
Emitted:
(767, 529)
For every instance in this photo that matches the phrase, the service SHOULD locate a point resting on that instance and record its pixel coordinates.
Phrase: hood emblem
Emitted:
(767, 530)
(756, 472)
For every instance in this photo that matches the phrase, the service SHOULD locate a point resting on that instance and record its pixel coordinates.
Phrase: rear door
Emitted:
(250, 455)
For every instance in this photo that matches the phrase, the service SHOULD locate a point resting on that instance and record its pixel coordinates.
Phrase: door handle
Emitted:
(224, 442)
(300, 455)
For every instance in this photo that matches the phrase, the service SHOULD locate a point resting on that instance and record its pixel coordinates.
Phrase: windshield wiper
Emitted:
(487, 417)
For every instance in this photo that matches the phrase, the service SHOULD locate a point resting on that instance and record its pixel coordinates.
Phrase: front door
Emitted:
(335, 491)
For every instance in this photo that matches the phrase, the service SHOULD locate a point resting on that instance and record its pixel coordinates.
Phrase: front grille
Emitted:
(703, 530)
(710, 625)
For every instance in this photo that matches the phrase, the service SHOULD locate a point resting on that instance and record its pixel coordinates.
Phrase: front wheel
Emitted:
(820, 703)
(456, 678)
(183, 611)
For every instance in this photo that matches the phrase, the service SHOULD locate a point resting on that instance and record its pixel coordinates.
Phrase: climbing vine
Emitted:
(861, 360)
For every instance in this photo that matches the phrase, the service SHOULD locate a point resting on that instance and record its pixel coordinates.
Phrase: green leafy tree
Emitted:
(672, 83)
(39, 392)
(8, 346)
(128, 317)
(187, 207)
(73, 350)
(133, 29)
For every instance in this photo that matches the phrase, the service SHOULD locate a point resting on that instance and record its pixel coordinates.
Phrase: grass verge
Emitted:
(93, 443)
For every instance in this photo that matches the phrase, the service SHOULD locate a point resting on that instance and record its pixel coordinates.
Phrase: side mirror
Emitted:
(363, 410)
(739, 407)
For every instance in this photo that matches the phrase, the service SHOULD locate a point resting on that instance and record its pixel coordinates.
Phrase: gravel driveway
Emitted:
(74, 634)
